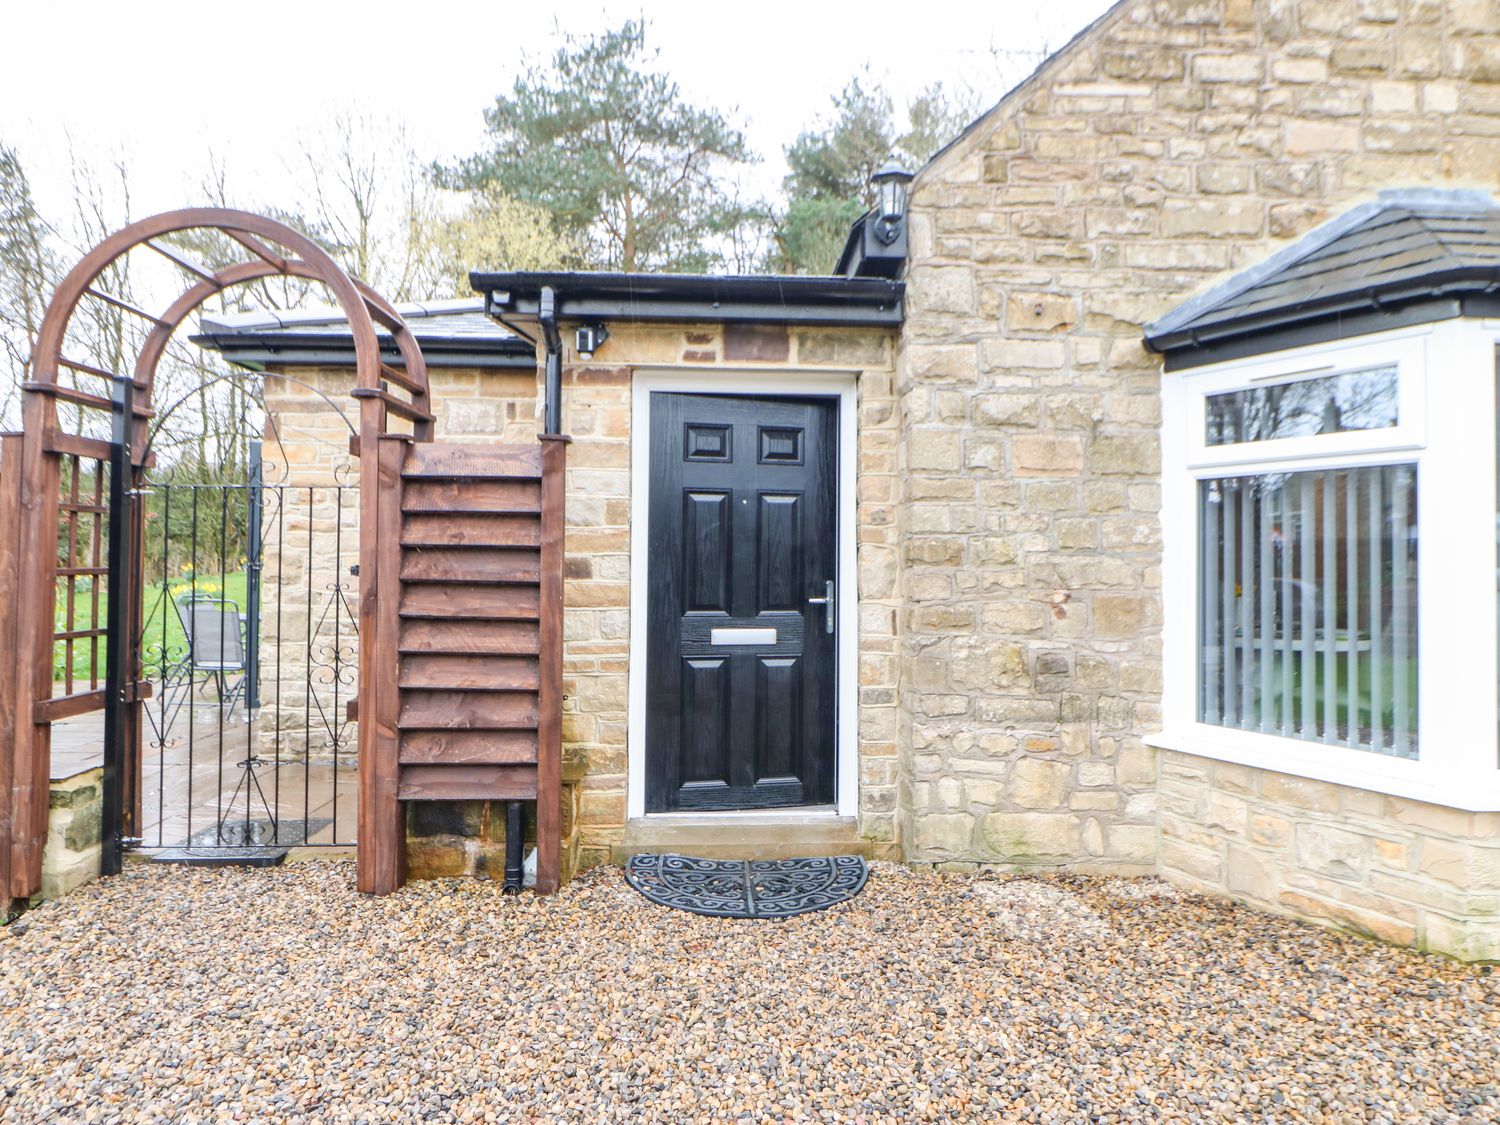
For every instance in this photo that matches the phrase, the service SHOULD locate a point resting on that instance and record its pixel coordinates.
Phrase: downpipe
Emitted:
(551, 424)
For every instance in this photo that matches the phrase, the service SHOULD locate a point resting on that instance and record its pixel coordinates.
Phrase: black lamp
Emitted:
(890, 200)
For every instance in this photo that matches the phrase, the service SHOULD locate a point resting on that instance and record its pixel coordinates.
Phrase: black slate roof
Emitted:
(1405, 258)
(456, 333)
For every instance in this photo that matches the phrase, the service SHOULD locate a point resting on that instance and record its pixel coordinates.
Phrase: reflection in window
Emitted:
(1333, 404)
(1308, 596)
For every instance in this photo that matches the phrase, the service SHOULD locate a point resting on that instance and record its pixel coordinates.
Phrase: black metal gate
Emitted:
(244, 624)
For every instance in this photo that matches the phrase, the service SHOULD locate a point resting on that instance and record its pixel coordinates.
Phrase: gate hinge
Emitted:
(354, 570)
(131, 841)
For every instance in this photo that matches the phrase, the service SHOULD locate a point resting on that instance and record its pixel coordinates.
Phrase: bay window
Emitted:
(1328, 516)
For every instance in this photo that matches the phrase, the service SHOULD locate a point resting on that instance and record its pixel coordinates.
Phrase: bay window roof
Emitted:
(1407, 257)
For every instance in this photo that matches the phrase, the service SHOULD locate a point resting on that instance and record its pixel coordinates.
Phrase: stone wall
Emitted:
(1391, 868)
(1173, 142)
(75, 820)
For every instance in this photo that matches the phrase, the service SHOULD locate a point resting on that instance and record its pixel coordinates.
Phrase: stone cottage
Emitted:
(1123, 529)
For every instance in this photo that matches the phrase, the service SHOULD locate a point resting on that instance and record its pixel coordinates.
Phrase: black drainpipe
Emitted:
(546, 316)
(551, 424)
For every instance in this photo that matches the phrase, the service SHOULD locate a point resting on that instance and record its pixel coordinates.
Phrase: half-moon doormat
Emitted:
(747, 888)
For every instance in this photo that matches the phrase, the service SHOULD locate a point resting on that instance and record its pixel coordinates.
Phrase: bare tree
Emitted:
(28, 272)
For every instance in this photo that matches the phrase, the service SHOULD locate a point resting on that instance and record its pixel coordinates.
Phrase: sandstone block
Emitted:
(1196, 864)
(1240, 68)
(1031, 836)
(985, 665)
(1101, 800)
(943, 289)
(1027, 713)
(1367, 922)
(1248, 874)
(1036, 783)
(1046, 455)
(944, 833)
(1300, 792)
(1040, 312)
(1096, 773)
(1131, 843)
(1137, 764)
(1014, 617)
(1332, 851)
(999, 354)
(1317, 137)
(1270, 831)
(1121, 616)
(1217, 219)
(935, 449)
(930, 362)
(1226, 812)
(1112, 454)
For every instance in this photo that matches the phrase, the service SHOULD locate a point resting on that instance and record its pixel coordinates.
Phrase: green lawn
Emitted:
(161, 622)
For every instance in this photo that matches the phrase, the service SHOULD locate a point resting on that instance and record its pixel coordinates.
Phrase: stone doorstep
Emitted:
(757, 836)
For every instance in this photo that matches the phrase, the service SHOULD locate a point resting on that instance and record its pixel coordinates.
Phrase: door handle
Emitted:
(827, 602)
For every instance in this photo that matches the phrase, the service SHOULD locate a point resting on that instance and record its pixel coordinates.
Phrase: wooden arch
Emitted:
(30, 501)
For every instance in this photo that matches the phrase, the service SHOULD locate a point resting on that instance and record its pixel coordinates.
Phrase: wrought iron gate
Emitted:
(247, 632)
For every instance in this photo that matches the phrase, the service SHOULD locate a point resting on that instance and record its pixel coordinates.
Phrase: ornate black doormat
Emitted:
(739, 888)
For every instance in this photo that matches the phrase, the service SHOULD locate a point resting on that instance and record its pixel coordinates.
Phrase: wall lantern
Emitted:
(890, 200)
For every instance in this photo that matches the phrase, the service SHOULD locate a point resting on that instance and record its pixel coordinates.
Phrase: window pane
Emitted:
(1308, 599)
(1354, 400)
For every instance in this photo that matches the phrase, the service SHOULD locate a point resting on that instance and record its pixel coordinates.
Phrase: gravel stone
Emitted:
(282, 995)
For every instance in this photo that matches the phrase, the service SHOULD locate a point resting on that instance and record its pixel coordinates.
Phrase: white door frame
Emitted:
(842, 386)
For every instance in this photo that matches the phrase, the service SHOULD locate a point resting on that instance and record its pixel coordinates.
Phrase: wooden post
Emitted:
(382, 825)
(550, 661)
(36, 608)
(10, 505)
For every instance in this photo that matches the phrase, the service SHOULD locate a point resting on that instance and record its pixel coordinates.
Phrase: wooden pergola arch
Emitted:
(30, 505)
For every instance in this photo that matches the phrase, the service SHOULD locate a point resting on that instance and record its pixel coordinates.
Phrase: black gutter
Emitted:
(771, 299)
(1328, 329)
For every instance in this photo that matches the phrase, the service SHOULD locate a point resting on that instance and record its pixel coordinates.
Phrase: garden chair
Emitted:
(216, 646)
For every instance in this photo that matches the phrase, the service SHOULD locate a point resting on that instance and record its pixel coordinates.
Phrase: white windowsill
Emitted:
(1393, 776)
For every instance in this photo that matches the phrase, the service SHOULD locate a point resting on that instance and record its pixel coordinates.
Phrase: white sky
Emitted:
(161, 82)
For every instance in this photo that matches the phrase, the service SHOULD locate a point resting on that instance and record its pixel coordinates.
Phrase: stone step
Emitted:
(757, 836)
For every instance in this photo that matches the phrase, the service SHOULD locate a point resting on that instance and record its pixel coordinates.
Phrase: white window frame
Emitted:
(1446, 427)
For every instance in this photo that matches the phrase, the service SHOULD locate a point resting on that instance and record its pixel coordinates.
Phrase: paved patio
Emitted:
(193, 778)
(282, 995)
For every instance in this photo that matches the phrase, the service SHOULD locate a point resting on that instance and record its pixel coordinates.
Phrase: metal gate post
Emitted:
(254, 548)
(120, 647)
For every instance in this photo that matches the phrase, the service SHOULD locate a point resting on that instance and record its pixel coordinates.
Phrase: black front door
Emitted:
(743, 552)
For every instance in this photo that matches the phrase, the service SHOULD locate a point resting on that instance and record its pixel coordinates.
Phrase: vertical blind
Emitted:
(1308, 606)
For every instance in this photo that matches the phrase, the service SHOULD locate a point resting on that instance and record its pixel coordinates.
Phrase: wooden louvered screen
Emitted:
(479, 629)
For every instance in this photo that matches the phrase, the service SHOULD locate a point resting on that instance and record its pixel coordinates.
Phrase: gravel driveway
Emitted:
(282, 995)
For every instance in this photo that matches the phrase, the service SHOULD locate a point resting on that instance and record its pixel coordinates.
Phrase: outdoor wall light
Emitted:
(890, 199)
(590, 338)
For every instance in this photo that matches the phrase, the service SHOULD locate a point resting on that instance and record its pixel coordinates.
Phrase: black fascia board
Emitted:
(1329, 329)
(792, 299)
(1469, 290)
(334, 349)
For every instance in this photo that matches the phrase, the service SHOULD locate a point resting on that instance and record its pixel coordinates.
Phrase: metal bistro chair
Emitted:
(216, 646)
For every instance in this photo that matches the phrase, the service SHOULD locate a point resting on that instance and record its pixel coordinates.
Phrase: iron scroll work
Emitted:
(738, 888)
(31, 503)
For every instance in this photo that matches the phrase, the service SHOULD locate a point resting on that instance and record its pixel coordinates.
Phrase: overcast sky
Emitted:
(162, 83)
